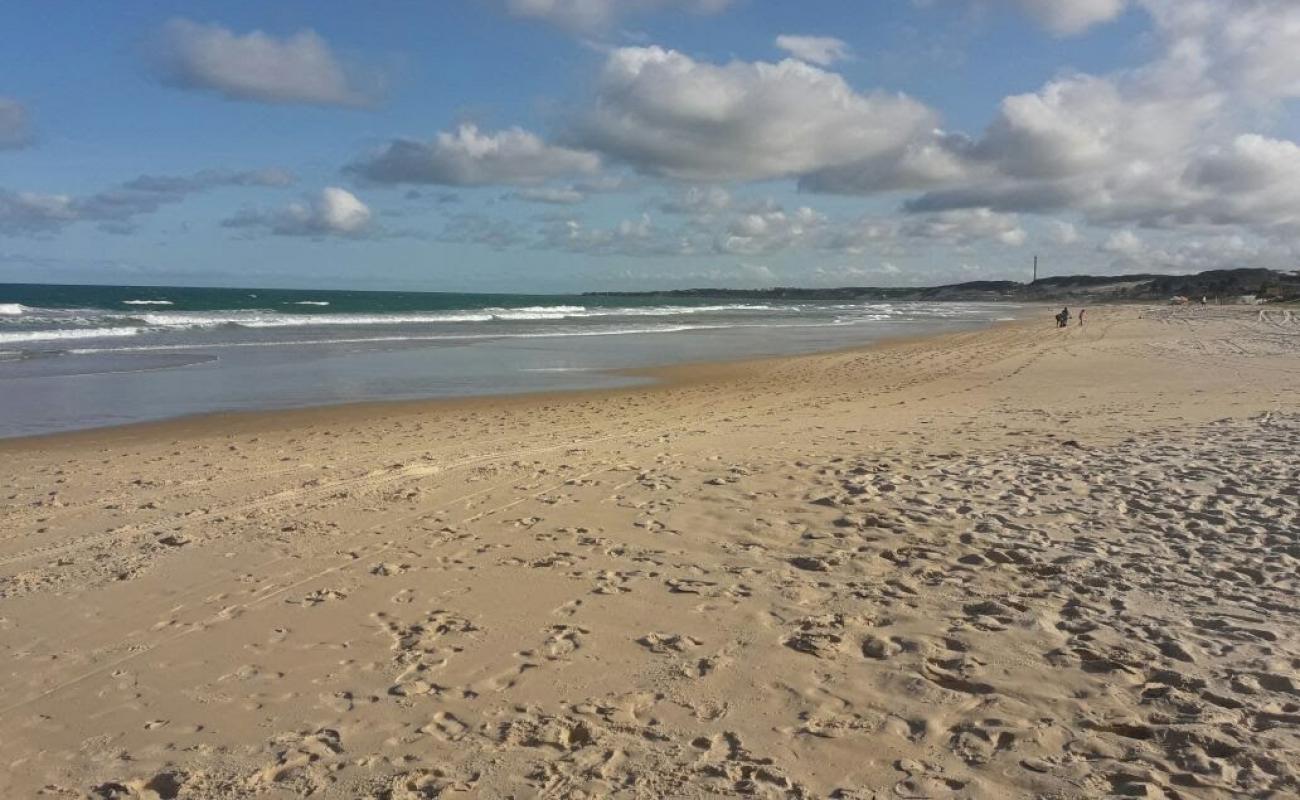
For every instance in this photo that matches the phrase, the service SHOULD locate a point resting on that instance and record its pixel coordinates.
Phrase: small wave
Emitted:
(11, 309)
(450, 337)
(307, 302)
(541, 309)
(147, 303)
(64, 333)
(271, 319)
(267, 319)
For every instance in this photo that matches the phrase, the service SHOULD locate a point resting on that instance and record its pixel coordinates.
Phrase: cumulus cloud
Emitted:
(1245, 47)
(470, 157)
(962, 228)
(331, 212)
(479, 229)
(116, 208)
(743, 274)
(1130, 253)
(697, 201)
(1062, 233)
(769, 230)
(550, 195)
(860, 236)
(15, 129)
(1123, 242)
(587, 16)
(273, 177)
(631, 237)
(1164, 145)
(1070, 17)
(820, 50)
(28, 212)
(670, 115)
(256, 66)
(1059, 17)
(966, 226)
(933, 158)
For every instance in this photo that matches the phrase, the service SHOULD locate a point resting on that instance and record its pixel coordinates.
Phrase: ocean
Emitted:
(74, 357)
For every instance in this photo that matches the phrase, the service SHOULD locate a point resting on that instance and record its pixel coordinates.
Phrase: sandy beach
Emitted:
(1015, 562)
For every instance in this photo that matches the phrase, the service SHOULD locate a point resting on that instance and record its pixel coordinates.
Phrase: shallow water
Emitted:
(79, 357)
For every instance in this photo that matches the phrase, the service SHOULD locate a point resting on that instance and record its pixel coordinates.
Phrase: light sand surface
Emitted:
(1020, 562)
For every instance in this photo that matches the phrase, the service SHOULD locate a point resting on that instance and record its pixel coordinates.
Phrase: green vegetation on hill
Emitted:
(1222, 285)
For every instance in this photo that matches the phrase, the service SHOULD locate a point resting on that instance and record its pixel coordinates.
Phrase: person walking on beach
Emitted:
(1082, 311)
(1063, 318)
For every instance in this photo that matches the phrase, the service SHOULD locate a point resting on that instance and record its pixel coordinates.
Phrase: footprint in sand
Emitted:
(664, 643)
(563, 641)
(446, 727)
(317, 597)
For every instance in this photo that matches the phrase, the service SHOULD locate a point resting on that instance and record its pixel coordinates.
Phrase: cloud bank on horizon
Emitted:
(673, 159)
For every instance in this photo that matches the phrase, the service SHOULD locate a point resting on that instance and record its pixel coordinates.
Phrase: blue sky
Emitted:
(560, 145)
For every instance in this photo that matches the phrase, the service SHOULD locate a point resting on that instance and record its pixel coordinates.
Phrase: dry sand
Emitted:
(1020, 562)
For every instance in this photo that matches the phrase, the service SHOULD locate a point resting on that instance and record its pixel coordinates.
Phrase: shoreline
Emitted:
(253, 420)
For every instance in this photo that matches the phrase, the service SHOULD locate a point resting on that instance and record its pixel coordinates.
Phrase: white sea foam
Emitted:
(11, 309)
(147, 303)
(66, 333)
(271, 319)
(60, 324)
(307, 302)
(450, 337)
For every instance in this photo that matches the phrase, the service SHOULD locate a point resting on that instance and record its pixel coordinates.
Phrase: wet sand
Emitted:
(1018, 562)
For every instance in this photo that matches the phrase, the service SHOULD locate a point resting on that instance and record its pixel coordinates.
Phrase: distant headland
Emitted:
(1220, 285)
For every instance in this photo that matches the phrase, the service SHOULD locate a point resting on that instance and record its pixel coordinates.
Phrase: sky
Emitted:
(571, 145)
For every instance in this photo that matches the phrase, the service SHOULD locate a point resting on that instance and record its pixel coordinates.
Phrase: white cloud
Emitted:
(339, 211)
(586, 16)
(769, 230)
(15, 129)
(1123, 242)
(479, 229)
(550, 195)
(860, 236)
(966, 226)
(1069, 17)
(1255, 180)
(272, 177)
(1059, 17)
(469, 157)
(256, 66)
(668, 114)
(1165, 145)
(932, 158)
(116, 208)
(701, 203)
(1183, 254)
(820, 50)
(28, 212)
(331, 212)
(630, 237)
(1062, 233)
(1246, 47)
(715, 275)
(853, 274)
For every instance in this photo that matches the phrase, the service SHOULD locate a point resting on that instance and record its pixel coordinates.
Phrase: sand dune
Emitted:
(1021, 562)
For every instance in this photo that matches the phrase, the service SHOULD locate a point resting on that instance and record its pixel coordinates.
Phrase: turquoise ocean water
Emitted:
(84, 356)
